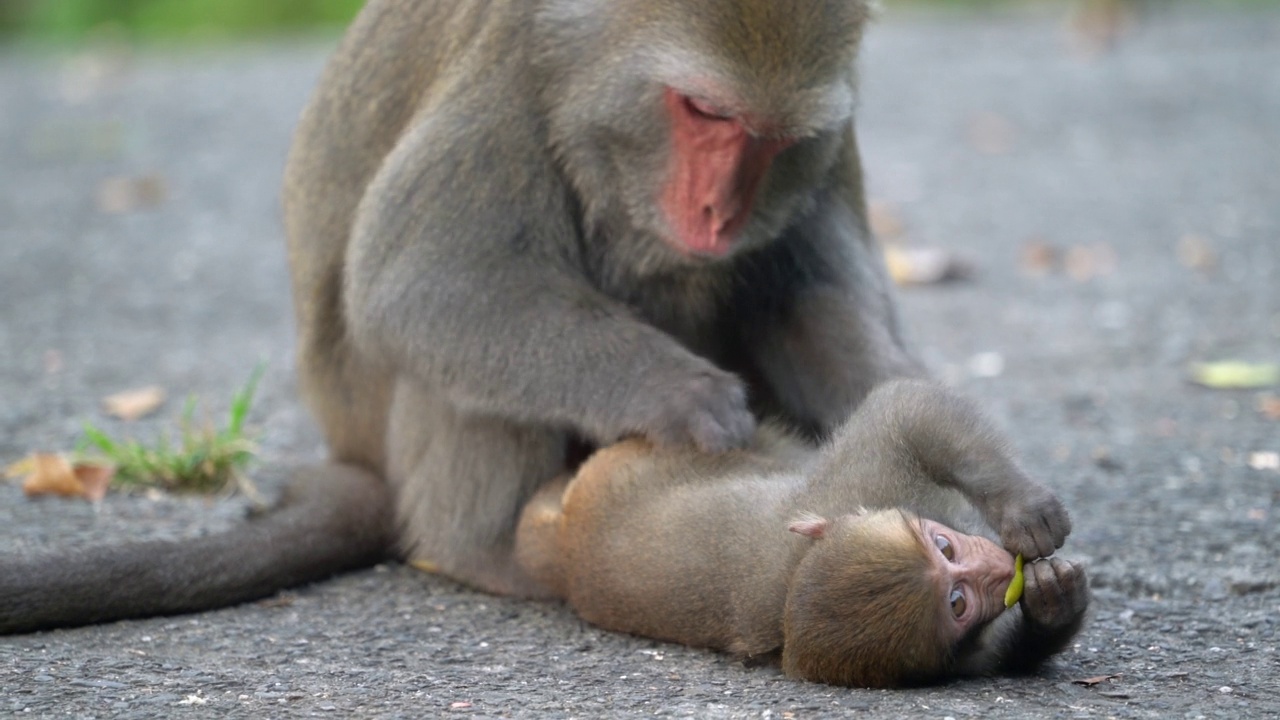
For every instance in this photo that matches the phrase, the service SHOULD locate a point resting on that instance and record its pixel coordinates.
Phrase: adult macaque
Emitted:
(521, 228)
(878, 583)
(573, 220)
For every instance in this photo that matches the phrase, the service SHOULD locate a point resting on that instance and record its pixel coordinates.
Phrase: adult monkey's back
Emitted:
(516, 226)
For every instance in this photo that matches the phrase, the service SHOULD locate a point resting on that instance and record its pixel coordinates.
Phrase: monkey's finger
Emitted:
(725, 431)
(1073, 590)
(1077, 583)
(1033, 541)
(1050, 536)
(1045, 595)
(1037, 525)
(714, 435)
(1060, 595)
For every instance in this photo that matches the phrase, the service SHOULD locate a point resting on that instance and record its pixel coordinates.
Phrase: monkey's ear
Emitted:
(810, 526)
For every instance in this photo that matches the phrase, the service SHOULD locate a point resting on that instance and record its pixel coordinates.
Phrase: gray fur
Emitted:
(499, 274)
(480, 282)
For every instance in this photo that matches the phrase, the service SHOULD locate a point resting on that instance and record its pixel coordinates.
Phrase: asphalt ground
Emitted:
(1153, 171)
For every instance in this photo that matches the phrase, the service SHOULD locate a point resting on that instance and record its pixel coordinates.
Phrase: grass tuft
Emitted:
(202, 459)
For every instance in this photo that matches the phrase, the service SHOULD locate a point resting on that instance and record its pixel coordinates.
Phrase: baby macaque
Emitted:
(870, 562)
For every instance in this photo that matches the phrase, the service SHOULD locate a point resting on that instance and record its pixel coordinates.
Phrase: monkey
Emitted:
(660, 230)
(518, 230)
(869, 562)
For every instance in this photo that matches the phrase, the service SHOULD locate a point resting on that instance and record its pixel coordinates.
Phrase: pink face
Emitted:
(972, 572)
(717, 164)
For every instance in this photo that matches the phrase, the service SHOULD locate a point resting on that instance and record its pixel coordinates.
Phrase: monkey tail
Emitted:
(331, 519)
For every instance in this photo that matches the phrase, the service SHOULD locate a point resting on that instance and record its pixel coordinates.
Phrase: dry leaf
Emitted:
(21, 468)
(1269, 406)
(282, 600)
(1039, 258)
(121, 194)
(1090, 682)
(1194, 252)
(886, 223)
(992, 134)
(53, 362)
(1085, 262)
(94, 479)
(425, 566)
(924, 266)
(1096, 26)
(52, 475)
(134, 404)
(1235, 375)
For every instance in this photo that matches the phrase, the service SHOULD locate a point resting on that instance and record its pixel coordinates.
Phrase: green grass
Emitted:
(147, 19)
(202, 459)
(152, 19)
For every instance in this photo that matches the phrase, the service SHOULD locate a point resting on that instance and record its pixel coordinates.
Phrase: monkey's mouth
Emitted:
(713, 236)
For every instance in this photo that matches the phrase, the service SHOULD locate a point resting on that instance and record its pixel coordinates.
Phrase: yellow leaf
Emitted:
(25, 466)
(424, 566)
(923, 265)
(1234, 374)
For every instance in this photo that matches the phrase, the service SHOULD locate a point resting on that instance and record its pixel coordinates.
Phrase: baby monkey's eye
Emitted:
(958, 603)
(944, 546)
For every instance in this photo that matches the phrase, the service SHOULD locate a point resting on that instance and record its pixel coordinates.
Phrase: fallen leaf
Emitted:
(122, 194)
(886, 223)
(992, 134)
(94, 479)
(1090, 682)
(1235, 374)
(134, 404)
(1039, 258)
(53, 363)
(52, 475)
(1195, 253)
(21, 468)
(425, 566)
(1269, 406)
(1085, 262)
(1264, 460)
(1096, 26)
(282, 600)
(1103, 459)
(924, 266)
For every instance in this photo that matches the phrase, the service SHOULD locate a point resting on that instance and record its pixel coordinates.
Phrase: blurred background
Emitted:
(74, 20)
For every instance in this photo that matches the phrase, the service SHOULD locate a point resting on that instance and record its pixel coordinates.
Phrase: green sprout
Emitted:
(202, 460)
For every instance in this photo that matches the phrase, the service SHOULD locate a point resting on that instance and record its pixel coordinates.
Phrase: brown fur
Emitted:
(692, 548)
(863, 595)
(484, 283)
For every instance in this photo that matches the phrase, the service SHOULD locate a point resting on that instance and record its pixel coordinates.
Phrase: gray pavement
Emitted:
(1176, 134)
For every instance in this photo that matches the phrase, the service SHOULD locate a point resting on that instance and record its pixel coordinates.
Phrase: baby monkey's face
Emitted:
(971, 573)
